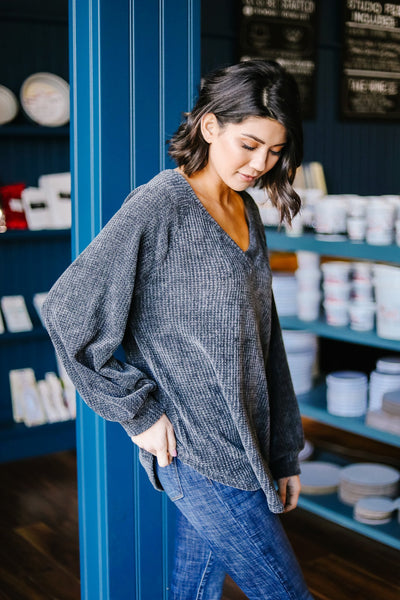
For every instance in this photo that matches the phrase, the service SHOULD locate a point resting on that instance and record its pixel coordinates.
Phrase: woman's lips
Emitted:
(247, 178)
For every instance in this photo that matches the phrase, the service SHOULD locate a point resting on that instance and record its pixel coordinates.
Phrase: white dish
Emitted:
(318, 477)
(45, 99)
(370, 474)
(374, 507)
(8, 105)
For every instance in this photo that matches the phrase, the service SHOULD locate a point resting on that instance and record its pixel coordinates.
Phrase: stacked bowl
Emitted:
(347, 393)
(363, 480)
(308, 276)
(337, 290)
(301, 351)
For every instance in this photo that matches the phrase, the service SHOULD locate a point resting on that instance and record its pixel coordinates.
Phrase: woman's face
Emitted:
(240, 153)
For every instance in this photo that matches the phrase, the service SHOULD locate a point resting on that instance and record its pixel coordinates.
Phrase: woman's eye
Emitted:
(246, 147)
(276, 152)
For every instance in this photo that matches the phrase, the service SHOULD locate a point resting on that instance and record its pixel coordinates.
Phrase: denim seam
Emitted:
(200, 588)
(180, 493)
(250, 539)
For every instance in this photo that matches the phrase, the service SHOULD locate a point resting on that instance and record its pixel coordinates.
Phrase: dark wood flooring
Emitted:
(39, 538)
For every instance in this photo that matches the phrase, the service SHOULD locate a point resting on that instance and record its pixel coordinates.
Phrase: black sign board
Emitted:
(371, 60)
(285, 31)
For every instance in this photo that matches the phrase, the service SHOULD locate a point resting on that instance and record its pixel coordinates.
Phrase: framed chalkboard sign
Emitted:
(370, 87)
(285, 31)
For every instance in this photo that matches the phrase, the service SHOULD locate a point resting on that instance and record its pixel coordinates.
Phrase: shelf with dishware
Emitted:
(313, 404)
(278, 240)
(331, 508)
(335, 494)
(321, 328)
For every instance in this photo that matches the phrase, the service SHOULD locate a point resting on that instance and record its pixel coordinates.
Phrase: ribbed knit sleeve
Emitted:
(87, 310)
(286, 428)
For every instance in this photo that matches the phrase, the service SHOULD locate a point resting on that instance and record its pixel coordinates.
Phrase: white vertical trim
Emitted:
(161, 82)
(132, 93)
(91, 122)
(99, 145)
(74, 154)
(190, 54)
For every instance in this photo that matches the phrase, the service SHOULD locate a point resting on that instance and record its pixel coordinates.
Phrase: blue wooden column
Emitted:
(134, 68)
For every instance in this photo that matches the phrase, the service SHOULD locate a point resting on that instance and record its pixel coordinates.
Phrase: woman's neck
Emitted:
(209, 188)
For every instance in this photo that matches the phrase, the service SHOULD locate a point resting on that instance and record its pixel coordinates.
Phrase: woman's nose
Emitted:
(258, 161)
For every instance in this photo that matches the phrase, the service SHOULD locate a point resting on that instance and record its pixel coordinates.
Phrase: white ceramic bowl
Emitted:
(45, 99)
(8, 105)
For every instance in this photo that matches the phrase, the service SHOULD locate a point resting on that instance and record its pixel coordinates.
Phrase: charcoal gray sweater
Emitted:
(196, 318)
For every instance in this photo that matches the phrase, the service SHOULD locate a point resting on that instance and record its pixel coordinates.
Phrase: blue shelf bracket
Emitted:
(134, 68)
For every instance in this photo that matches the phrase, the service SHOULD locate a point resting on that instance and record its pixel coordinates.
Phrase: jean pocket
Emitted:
(169, 478)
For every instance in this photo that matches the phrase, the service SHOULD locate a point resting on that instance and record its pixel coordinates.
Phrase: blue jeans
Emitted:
(221, 530)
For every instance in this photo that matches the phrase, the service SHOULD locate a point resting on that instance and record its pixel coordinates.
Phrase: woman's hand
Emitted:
(159, 440)
(289, 491)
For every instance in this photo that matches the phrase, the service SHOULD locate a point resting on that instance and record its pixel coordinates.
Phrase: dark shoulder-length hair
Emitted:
(253, 88)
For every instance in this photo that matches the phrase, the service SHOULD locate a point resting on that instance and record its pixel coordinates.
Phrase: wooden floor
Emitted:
(39, 542)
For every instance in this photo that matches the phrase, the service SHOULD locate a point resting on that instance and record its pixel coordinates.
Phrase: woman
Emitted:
(180, 277)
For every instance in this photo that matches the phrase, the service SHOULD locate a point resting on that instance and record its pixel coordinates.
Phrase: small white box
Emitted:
(36, 206)
(15, 314)
(57, 188)
(57, 398)
(25, 398)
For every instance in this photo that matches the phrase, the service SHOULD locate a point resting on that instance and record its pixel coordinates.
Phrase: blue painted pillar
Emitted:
(134, 68)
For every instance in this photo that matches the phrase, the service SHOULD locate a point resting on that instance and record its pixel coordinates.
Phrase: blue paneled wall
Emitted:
(359, 157)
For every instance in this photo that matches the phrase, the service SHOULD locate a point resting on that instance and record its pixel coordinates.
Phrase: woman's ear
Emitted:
(209, 127)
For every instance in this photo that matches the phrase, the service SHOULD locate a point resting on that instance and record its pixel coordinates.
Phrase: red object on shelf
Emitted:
(11, 204)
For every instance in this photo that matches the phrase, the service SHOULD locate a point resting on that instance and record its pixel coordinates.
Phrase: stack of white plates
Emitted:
(284, 286)
(374, 510)
(301, 351)
(347, 393)
(379, 384)
(318, 477)
(367, 479)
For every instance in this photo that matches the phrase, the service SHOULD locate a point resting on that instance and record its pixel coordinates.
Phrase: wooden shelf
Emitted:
(22, 235)
(313, 405)
(32, 130)
(18, 441)
(37, 333)
(330, 507)
(322, 329)
(279, 241)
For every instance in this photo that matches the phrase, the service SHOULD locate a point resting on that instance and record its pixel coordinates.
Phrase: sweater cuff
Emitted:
(286, 466)
(148, 414)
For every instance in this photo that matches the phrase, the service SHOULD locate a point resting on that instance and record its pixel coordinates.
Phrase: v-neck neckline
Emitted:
(215, 223)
